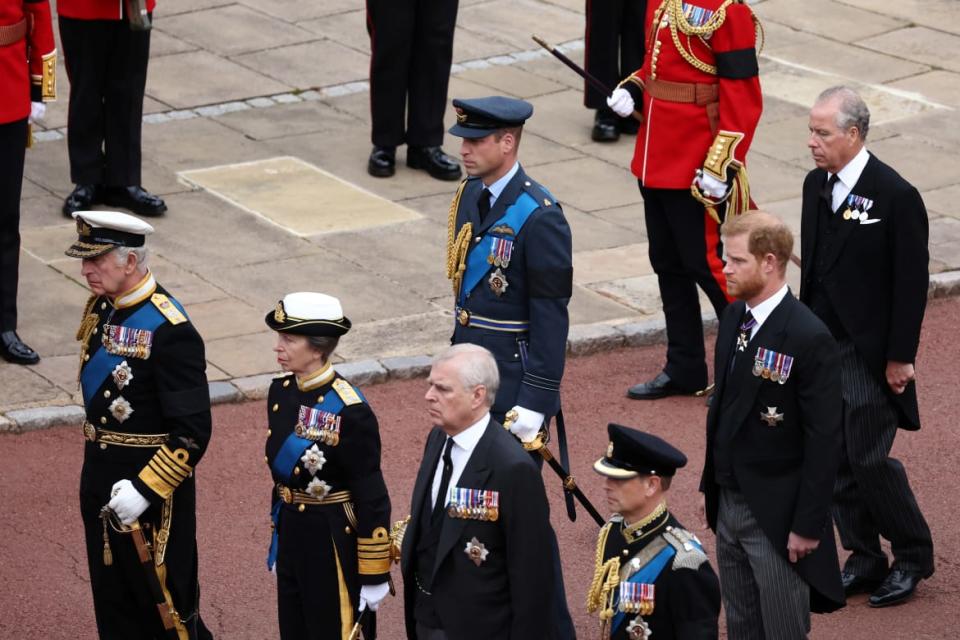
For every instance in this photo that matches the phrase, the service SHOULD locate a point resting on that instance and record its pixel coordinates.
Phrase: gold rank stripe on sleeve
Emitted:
(346, 392)
(168, 309)
(373, 554)
(166, 470)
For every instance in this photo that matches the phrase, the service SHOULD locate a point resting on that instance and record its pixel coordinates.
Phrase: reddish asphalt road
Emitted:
(44, 590)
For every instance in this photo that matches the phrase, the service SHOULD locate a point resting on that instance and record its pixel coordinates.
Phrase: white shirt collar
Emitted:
(497, 187)
(848, 176)
(763, 310)
(469, 437)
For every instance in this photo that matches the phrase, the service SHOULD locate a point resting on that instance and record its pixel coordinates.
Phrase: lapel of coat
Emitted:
(810, 217)
(474, 476)
(507, 197)
(744, 383)
(421, 489)
(863, 187)
(725, 339)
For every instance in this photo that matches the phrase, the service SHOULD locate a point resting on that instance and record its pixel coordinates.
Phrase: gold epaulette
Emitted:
(166, 470)
(168, 309)
(373, 553)
(83, 332)
(346, 392)
(689, 555)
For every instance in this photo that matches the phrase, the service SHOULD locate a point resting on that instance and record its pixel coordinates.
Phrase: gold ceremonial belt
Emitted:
(92, 434)
(292, 496)
(469, 319)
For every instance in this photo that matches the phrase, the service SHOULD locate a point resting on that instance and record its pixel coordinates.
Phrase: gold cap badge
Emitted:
(278, 314)
(610, 450)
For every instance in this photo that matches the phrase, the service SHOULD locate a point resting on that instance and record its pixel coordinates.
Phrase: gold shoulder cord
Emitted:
(87, 324)
(606, 578)
(457, 243)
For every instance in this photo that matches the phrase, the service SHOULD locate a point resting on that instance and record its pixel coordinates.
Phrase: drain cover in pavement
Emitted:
(297, 196)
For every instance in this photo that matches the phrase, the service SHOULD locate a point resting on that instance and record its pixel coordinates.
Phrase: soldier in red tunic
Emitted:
(106, 47)
(28, 63)
(701, 103)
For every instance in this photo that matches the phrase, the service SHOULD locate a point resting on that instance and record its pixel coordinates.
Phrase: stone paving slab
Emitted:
(272, 78)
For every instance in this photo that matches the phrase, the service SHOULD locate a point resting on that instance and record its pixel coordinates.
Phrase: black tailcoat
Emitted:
(508, 595)
(540, 277)
(786, 471)
(877, 276)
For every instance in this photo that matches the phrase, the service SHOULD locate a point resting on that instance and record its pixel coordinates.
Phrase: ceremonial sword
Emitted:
(592, 80)
(539, 445)
(168, 615)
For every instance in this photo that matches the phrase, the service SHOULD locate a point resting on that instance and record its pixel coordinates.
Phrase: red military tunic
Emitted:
(28, 61)
(95, 9)
(675, 137)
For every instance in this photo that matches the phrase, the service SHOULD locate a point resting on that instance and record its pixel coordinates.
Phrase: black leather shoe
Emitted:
(897, 587)
(605, 127)
(854, 583)
(135, 199)
(660, 387)
(13, 349)
(80, 199)
(382, 162)
(434, 161)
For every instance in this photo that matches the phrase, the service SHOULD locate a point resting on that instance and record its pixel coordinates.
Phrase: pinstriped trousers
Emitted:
(872, 496)
(765, 599)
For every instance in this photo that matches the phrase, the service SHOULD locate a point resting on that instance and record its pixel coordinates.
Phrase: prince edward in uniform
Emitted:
(144, 384)
(652, 577)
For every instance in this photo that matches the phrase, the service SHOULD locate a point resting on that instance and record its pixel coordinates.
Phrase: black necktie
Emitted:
(483, 204)
(743, 336)
(827, 192)
(444, 481)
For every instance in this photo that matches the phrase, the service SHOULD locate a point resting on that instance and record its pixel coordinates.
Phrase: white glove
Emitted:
(37, 111)
(127, 502)
(371, 595)
(710, 185)
(527, 425)
(621, 102)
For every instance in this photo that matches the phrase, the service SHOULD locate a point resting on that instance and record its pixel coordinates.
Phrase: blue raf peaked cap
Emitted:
(479, 117)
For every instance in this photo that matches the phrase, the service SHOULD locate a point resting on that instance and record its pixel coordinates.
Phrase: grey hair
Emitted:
(323, 344)
(140, 253)
(853, 111)
(477, 368)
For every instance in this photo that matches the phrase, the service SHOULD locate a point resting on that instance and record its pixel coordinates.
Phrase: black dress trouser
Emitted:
(685, 252)
(107, 67)
(13, 143)
(614, 44)
(411, 44)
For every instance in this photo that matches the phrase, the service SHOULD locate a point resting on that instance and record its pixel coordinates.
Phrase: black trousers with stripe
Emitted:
(411, 44)
(685, 252)
(107, 66)
(13, 142)
(872, 496)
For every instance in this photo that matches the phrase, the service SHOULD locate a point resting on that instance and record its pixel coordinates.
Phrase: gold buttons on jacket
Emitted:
(269, 432)
(302, 508)
(296, 471)
(346, 530)
(106, 393)
(103, 305)
(103, 419)
(319, 399)
(276, 408)
(95, 331)
(286, 382)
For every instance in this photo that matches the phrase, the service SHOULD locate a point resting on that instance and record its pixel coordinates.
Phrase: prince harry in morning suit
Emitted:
(773, 443)
(474, 559)
(864, 231)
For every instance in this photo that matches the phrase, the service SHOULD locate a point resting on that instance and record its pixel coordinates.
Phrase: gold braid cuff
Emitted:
(722, 154)
(166, 470)
(373, 553)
